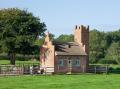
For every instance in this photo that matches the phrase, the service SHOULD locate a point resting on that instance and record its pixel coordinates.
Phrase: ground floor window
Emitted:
(60, 62)
(76, 62)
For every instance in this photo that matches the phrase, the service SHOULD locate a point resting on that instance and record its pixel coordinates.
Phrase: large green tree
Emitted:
(18, 31)
(96, 46)
(113, 52)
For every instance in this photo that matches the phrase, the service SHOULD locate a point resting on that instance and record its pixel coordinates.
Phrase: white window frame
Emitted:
(76, 62)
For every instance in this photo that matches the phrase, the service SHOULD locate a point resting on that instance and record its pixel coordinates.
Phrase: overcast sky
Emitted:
(61, 16)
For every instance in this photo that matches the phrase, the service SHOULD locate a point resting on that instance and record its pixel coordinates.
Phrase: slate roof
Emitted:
(68, 48)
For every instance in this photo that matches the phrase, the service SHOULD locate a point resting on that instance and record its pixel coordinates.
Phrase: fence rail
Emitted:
(19, 69)
(98, 69)
(10, 70)
(36, 69)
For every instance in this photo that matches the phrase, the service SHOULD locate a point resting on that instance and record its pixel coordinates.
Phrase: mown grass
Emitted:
(17, 62)
(61, 82)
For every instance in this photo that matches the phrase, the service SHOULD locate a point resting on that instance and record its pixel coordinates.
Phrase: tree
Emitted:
(18, 31)
(111, 37)
(96, 46)
(52, 36)
(65, 38)
(113, 52)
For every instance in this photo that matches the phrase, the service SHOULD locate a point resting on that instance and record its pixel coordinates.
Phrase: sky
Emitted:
(61, 16)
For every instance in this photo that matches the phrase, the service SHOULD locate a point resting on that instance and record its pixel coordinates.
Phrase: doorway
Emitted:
(69, 65)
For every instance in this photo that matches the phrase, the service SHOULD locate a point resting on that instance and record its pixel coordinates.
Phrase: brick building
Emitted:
(69, 57)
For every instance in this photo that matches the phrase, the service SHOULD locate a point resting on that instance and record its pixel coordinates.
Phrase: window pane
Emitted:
(76, 62)
(61, 62)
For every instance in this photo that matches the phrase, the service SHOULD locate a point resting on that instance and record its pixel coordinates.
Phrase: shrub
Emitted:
(105, 61)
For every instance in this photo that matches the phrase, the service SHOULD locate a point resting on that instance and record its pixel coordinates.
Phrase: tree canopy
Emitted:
(113, 52)
(18, 31)
(65, 38)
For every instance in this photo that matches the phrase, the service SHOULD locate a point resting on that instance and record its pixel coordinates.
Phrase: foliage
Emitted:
(96, 49)
(112, 37)
(52, 36)
(102, 46)
(18, 31)
(106, 61)
(65, 38)
(113, 52)
(39, 42)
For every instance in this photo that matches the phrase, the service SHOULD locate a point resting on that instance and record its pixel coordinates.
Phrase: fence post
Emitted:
(106, 69)
(45, 71)
(95, 69)
(58, 68)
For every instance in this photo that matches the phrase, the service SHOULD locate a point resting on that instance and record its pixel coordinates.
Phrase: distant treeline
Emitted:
(104, 47)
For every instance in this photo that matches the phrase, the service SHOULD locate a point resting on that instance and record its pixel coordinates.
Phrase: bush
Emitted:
(114, 70)
(3, 56)
(105, 61)
(22, 58)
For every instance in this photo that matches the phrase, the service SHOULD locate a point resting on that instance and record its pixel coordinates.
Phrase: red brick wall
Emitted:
(74, 69)
(81, 36)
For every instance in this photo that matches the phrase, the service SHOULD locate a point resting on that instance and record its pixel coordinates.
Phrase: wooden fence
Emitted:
(19, 69)
(10, 70)
(36, 69)
(98, 69)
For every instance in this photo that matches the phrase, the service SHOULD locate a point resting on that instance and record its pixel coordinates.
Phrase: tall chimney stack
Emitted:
(81, 36)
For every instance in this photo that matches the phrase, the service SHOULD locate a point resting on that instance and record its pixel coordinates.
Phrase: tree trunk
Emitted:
(12, 58)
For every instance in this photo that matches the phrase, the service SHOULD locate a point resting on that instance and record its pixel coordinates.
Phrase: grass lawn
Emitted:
(17, 62)
(91, 81)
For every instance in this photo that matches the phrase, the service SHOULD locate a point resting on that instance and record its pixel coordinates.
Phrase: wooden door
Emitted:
(69, 66)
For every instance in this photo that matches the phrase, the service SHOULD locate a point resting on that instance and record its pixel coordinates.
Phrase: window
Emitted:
(76, 62)
(60, 62)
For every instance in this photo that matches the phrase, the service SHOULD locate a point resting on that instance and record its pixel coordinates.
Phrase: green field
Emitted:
(17, 62)
(90, 81)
